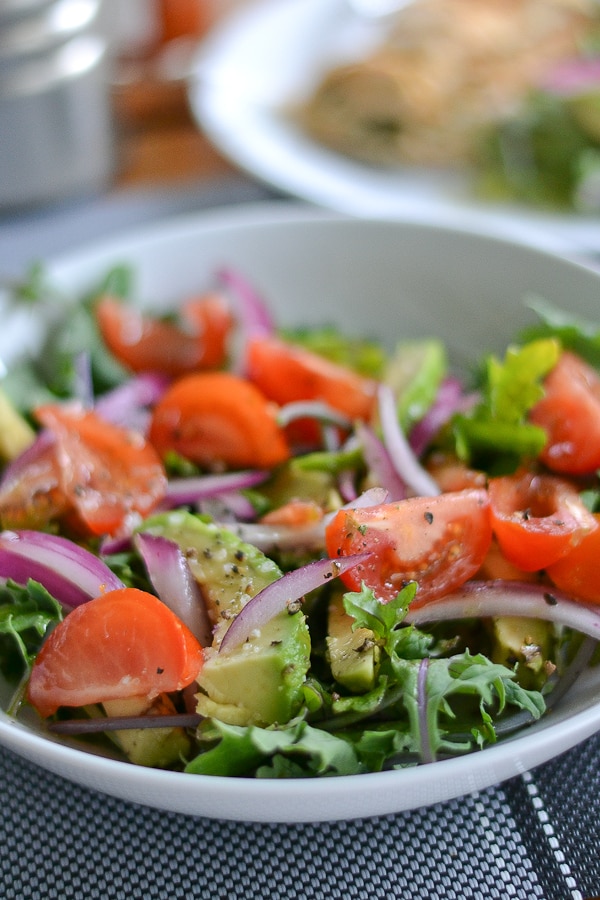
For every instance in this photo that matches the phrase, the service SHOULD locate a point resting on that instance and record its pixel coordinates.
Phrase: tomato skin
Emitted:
(31, 495)
(440, 542)
(537, 519)
(217, 419)
(91, 475)
(452, 474)
(496, 567)
(295, 513)
(577, 573)
(286, 373)
(145, 343)
(570, 414)
(125, 643)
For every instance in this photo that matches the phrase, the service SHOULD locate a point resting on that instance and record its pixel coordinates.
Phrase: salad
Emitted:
(232, 549)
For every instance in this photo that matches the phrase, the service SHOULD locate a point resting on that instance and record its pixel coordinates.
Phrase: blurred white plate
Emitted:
(268, 57)
(373, 278)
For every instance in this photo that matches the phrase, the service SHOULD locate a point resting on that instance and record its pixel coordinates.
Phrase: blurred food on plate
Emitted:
(510, 88)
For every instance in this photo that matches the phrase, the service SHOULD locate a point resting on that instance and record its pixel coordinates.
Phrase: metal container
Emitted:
(56, 128)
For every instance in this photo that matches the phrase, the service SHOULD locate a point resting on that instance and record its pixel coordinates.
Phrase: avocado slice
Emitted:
(260, 682)
(353, 655)
(15, 432)
(526, 643)
(158, 748)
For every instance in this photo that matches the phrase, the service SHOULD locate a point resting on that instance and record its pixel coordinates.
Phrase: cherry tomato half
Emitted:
(537, 519)
(145, 343)
(577, 572)
(125, 643)
(570, 414)
(217, 419)
(90, 474)
(286, 372)
(440, 542)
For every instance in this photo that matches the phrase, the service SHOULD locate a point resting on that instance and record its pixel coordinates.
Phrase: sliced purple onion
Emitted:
(172, 578)
(253, 317)
(312, 409)
(380, 463)
(110, 544)
(187, 491)
(427, 754)
(83, 388)
(374, 496)
(450, 399)
(228, 507)
(484, 599)
(20, 465)
(70, 573)
(251, 308)
(573, 77)
(282, 595)
(347, 485)
(128, 404)
(279, 537)
(406, 464)
(101, 724)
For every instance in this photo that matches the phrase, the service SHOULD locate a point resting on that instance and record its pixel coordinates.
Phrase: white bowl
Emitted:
(392, 279)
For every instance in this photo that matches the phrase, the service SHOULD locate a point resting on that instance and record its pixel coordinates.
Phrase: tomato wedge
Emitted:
(286, 372)
(92, 475)
(125, 643)
(217, 419)
(440, 542)
(145, 343)
(577, 572)
(570, 414)
(537, 519)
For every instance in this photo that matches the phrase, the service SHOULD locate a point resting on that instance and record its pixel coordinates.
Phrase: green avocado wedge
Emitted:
(260, 682)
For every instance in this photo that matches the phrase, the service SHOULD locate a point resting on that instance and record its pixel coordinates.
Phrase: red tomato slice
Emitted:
(440, 542)
(537, 519)
(143, 343)
(570, 414)
(577, 572)
(286, 373)
(125, 643)
(106, 473)
(218, 420)
(31, 495)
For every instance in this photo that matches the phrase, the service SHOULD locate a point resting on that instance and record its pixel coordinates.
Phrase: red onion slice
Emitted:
(70, 573)
(279, 537)
(251, 308)
(83, 389)
(36, 452)
(127, 405)
(404, 460)
(380, 463)
(172, 578)
(253, 317)
(312, 409)
(282, 594)
(184, 491)
(483, 599)
(573, 77)
(450, 399)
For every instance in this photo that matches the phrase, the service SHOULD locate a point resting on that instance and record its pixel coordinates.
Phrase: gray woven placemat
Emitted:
(532, 837)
